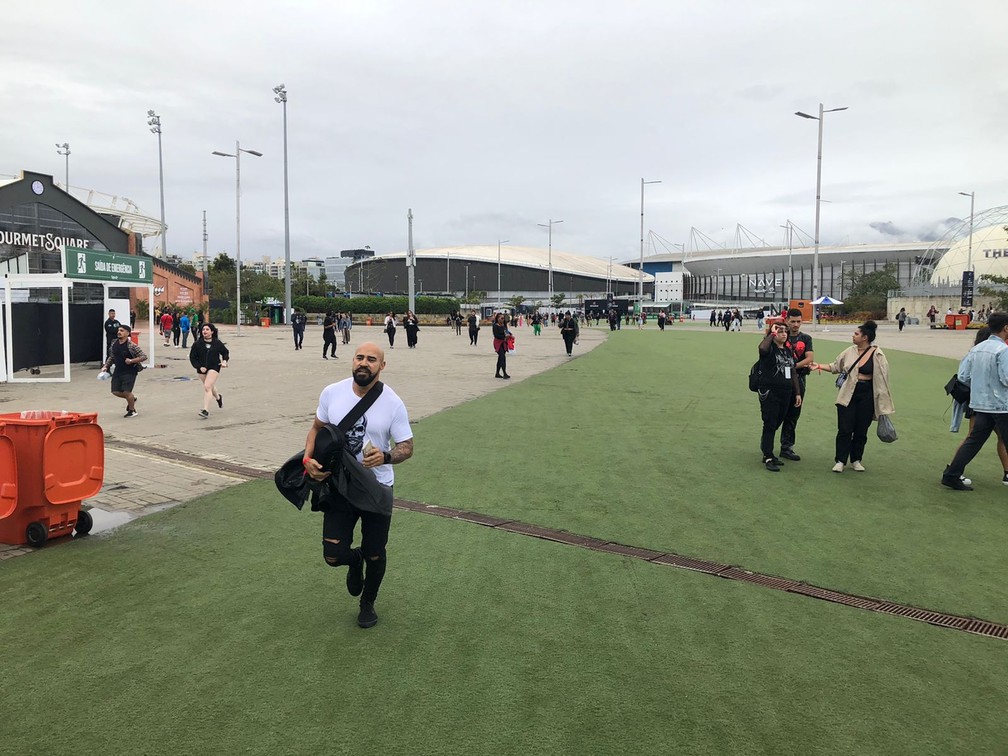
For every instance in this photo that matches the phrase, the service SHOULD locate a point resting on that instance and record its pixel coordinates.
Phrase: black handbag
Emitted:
(959, 391)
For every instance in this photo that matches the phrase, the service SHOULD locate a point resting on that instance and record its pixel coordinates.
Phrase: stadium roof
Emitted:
(530, 257)
(741, 261)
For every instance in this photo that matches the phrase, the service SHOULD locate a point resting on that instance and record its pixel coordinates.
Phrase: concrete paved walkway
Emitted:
(167, 454)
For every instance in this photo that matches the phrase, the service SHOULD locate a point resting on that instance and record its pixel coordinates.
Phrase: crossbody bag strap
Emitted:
(859, 359)
(361, 407)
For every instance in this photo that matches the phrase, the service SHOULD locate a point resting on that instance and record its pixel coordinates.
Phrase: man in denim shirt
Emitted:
(985, 370)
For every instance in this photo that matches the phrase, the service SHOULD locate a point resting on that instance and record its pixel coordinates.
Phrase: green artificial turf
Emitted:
(216, 627)
(652, 439)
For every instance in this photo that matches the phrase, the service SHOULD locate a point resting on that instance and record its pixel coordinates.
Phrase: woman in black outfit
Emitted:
(778, 388)
(208, 356)
(473, 322)
(500, 334)
(329, 334)
(569, 330)
(412, 325)
(390, 329)
(176, 328)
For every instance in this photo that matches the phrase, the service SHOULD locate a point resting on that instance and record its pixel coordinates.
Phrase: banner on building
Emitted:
(967, 289)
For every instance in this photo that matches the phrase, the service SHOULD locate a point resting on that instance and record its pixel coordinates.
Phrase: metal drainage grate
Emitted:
(836, 597)
(648, 555)
(923, 615)
(939, 619)
(990, 629)
(767, 581)
(688, 563)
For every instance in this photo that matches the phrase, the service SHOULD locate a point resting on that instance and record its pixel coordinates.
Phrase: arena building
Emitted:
(766, 275)
(518, 271)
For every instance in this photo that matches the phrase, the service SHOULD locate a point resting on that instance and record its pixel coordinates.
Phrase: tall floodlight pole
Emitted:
(818, 193)
(969, 263)
(640, 291)
(410, 260)
(789, 230)
(499, 242)
(206, 284)
(64, 150)
(154, 121)
(237, 158)
(549, 259)
(447, 272)
(281, 97)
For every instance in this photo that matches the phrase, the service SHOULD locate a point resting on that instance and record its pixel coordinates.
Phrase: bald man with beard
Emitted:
(381, 438)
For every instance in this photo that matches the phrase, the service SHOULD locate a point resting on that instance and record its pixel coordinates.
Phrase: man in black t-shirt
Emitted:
(128, 359)
(801, 345)
(111, 330)
(298, 321)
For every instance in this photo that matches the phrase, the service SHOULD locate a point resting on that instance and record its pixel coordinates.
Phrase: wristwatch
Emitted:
(388, 458)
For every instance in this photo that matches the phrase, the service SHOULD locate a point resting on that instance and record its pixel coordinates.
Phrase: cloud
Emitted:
(887, 228)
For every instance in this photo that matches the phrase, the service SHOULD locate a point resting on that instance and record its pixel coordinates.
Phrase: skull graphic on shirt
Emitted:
(355, 436)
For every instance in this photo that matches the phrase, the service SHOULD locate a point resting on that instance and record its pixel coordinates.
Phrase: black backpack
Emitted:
(755, 374)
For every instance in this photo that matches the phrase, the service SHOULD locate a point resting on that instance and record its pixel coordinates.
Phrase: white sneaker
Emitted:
(838, 467)
(858, 467)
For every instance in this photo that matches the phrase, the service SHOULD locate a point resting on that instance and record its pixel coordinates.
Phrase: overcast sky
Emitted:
(489, 118)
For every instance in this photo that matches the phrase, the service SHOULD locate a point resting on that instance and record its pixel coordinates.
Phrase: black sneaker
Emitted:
(130, 413)
(771, 464)
(220, 400)
(367, 617)
(204, 414)
(1004, 480)
(355, 577)
(789, 454)
(956, 484)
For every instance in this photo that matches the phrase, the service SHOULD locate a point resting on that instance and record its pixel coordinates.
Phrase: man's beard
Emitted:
(362, 376)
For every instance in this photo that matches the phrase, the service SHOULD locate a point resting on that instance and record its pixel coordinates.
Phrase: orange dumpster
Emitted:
(49, 463)
(956, 322)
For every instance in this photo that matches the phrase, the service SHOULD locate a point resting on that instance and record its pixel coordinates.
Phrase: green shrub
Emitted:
(373, 305)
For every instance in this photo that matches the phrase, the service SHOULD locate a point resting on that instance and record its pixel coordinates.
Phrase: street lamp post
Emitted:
(64, 150)
(237, 158)
(281, 97)
(818, 192)
(640, 291)
(717, 288)
(467, 279)
(499, 242)
(154, 121)
(550, 252)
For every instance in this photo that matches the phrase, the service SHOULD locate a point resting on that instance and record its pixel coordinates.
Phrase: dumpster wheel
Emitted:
(36, 534)
(84, 523)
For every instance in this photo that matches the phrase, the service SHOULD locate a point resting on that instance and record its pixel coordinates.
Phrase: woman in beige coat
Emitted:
(863, 397)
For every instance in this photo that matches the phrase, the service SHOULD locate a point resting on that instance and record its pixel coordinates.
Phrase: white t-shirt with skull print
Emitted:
(384, 424)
